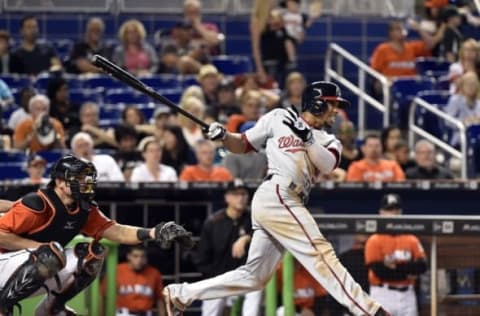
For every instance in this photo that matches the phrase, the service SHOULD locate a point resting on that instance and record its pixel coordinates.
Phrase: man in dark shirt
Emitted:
(92, 44)
(31, 58)
(223, 246)
(426, 167)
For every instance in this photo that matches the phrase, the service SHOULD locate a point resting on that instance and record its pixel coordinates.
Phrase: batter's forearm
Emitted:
(235, 143)
(322, 158)
(14, 242)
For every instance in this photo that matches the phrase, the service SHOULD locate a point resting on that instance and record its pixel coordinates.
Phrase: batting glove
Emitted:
(298, 126)
(167, 233)
(216, 131)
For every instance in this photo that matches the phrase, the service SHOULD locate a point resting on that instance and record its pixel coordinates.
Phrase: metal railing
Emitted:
(334, 70)
(414, 129)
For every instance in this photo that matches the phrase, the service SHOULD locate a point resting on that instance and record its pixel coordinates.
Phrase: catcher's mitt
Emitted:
(167, 233)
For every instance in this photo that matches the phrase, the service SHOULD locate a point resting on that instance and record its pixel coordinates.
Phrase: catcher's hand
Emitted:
(167, 233)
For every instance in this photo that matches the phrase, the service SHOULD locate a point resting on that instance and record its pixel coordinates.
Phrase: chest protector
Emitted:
(62, 225)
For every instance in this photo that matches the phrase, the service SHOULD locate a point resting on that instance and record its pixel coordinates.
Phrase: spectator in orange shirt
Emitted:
(139, 285)
(39, 131)
(205, 170)
(373, 167)
(396, 57)
(309, 296)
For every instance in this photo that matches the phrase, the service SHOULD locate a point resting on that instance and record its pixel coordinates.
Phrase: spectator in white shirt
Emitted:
(152, 170)
(107, 167)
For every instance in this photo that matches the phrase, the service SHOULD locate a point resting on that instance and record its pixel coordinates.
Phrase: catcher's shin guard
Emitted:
(42, 264)
(90, 260)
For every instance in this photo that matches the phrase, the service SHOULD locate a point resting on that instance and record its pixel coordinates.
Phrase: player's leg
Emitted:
(294, 227)
(23, 272)
(252, 303)
(263, 256)
(84, 262)
(213, 307)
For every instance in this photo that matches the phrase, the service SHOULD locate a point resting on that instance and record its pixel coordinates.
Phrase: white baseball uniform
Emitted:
(10, 261)
(281, 221)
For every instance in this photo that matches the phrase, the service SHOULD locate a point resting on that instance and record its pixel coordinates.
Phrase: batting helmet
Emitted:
(316, 94)
(79, 173)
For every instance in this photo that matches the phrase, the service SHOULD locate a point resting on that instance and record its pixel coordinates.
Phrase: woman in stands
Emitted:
(294, 86)
(465, 105)
(152, 170)
(191, 131)
(176, 151)
(390, 137)
(469, 60)
(134, 53)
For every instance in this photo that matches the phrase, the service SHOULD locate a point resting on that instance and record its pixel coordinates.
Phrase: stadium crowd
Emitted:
(117, 130)
(60, 104)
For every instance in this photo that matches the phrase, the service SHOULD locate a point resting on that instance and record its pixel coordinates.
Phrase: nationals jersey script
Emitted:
(286, 152)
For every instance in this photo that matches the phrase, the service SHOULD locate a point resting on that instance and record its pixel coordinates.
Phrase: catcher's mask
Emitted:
(79, 174)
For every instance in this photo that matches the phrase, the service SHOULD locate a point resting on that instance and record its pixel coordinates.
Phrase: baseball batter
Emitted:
(297, 150)
(37, 227)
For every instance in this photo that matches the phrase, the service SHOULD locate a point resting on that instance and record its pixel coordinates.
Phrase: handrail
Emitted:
(414, 129)
(359, 87)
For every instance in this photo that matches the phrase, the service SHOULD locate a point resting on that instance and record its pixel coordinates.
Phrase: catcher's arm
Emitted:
(164, 233)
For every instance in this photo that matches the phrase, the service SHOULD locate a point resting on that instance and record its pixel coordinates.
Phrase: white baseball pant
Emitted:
(396, 302)
(9, 262)
(251, 305)
(281, 221)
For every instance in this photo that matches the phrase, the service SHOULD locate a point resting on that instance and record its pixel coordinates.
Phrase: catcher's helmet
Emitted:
(316, 94)
(79, 173)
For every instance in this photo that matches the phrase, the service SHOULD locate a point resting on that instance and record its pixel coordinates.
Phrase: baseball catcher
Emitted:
(34, 232)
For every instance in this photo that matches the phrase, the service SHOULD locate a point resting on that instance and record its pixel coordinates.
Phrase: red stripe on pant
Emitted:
(323, 259)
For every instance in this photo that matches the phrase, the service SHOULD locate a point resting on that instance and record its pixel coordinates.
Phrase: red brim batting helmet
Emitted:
(316, 95)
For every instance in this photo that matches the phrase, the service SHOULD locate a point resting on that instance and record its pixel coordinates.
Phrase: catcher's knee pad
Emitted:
(90, 258)
(42, 264)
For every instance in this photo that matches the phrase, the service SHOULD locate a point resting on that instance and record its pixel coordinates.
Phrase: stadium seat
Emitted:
(12, 171)
(63, 47)
(110, 112)
(173, 95)
(109, 123)
(147, 110)
(443, 83)
(165, 81)
(125, 96)
(431, 66)
(41, 82)
(102, 81)
(188, 80)
(232, 65)
(86, 95)
(435, 96)
(16, 81)
(52, 155)
(8, 111)
(473, 151)
(12, 156)
(403, 90)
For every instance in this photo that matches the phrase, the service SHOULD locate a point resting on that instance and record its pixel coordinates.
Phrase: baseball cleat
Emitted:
(173, 304)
